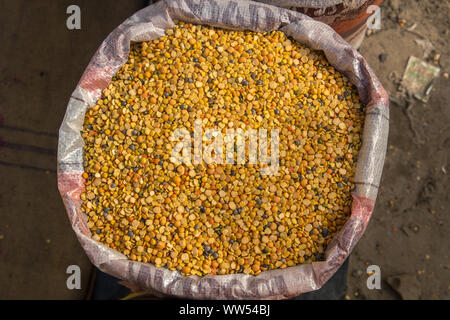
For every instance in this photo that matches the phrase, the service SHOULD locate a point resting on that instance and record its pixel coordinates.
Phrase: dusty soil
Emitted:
(408, 235)
(41, 63)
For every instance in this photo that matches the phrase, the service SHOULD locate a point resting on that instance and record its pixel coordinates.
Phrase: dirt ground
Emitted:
(408, 235)
(42, 61)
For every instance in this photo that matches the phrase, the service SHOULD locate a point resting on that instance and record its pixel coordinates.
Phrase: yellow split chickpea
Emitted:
(221, 218)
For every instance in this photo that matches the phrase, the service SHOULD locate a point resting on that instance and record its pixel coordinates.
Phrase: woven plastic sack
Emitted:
(149, 24)
(346, 17)
(326, 11)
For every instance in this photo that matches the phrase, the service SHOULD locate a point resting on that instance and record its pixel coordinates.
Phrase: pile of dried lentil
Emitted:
(221, 219)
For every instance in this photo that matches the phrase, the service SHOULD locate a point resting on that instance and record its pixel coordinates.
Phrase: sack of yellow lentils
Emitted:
(174, 218)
